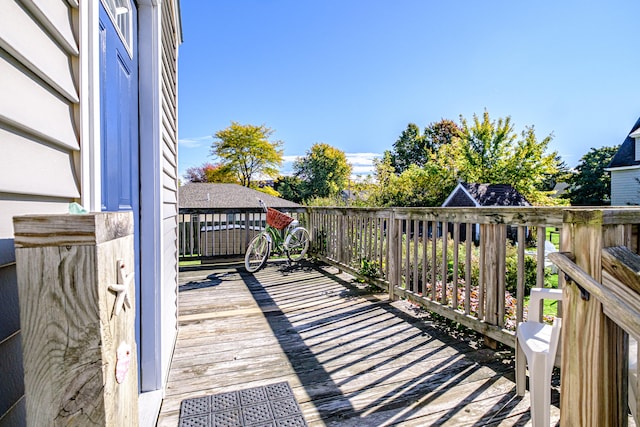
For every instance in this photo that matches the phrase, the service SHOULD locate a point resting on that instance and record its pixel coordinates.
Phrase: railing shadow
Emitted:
(337, 374)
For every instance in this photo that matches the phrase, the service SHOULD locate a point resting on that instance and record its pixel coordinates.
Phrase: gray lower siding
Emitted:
(625, 188)
(12, 412)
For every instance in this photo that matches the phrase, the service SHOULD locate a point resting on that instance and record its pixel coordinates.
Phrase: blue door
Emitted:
(119, 119)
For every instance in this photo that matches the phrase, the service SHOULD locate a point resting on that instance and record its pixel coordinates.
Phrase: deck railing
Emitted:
(208, 233)
(601, 309)
(483, 258)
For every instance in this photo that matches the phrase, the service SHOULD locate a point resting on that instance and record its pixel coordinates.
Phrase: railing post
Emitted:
(592, 392)
(393, 255)
(340, 238)
(494, 241)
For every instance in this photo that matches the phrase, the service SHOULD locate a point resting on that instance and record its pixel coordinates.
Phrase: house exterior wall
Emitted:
(169, 138)
(49, 146)
(625, 189)
(39, 143)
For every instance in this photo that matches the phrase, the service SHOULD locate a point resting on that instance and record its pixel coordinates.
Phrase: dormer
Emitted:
(636, 135)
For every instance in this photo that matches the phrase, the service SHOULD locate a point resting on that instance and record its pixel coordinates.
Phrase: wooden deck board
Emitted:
(351, 358)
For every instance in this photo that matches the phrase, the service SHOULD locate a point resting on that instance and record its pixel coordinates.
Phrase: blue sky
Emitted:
(354, 73)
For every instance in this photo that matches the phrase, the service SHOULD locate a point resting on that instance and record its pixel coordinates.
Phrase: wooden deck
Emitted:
(351, 358)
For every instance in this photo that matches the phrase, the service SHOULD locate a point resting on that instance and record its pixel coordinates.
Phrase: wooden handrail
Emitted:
(620, 303)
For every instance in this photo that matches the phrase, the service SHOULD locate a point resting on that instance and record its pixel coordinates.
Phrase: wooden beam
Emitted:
(591, 342)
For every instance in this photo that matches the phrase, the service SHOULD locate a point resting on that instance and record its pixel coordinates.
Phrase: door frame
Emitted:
(151, 367)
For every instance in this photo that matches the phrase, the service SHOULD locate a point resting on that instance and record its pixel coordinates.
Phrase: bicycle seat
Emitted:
(294, 223)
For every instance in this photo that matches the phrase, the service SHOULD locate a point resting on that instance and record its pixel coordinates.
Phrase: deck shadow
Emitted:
(333, 405)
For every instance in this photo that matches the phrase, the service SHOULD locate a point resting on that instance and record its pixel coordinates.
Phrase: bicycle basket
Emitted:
(278, 219)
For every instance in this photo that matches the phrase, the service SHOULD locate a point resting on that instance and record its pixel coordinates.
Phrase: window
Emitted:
(121, 13)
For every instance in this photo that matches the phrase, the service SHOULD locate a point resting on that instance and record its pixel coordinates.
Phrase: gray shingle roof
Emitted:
(227, 196)
(626, 154)
(486, 195)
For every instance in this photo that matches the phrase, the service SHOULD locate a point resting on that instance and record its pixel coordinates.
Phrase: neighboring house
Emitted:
(481, 195)
(485, 195)
(228, 196)
(88, 91)
(625, 170)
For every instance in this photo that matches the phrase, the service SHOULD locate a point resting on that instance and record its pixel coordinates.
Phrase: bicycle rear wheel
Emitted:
(257, 253)
(297, 243)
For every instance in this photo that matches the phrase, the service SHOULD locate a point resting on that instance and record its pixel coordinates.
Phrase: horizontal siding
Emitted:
(56, 17)
(9, 308)
(12, 205)
(168, 141)
(30, 104)
(39, 142)
(625, 189)
(11, 372)
(39, 52)
(16, 417)
(50, 169)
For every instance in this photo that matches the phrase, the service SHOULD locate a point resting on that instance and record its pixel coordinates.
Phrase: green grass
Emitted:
(189, 263)
(553, 236)
(550, 307)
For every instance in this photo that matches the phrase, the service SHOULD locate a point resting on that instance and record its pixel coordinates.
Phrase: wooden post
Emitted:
(591, 342)
(393, 260)
(78, 341)
(493, 249)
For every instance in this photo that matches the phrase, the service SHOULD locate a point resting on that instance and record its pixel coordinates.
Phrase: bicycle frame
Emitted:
(277, 237)
(292, 241)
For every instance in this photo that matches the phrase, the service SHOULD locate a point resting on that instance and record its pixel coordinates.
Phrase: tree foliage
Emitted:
(415, 186)
(209, 172)
(490, 152)
(290, 188)
(415, 148)
(247, 151)
(422, 169)
(590, 185)
(409, 149)
(323, 171)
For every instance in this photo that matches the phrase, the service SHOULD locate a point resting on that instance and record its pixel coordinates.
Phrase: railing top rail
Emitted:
(542, 216)
(237, 210)
(524, 215)
(599, 215)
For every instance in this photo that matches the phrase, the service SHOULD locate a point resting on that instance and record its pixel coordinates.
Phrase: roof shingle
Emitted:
(227, 196)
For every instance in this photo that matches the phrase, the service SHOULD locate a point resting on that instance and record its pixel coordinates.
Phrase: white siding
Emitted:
(625, 189)
(169, 141)
(39, 146)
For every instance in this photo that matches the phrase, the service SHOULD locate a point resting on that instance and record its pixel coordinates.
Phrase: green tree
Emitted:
(590, 185)
(415, 148)
(290, 188)
(491, 152)
(324, 171)
(247, 151)
(409, 149)
(416, 186)
(440, 133)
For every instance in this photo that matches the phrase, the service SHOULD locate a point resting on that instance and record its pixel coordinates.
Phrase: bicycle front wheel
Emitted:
(257, 253)
(297, 243)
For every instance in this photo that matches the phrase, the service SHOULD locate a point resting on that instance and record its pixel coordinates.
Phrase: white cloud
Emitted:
(290, 159)
(196, 142)
(362, 163)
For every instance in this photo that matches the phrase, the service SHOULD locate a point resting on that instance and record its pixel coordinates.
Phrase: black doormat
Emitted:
(268, 406)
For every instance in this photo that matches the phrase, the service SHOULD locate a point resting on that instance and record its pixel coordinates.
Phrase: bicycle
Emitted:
(282, 234)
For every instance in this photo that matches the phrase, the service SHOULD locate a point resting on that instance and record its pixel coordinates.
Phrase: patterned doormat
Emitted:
(269, 406)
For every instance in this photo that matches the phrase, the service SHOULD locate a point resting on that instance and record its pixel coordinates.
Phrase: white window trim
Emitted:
(90, 180)
(127, 39)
